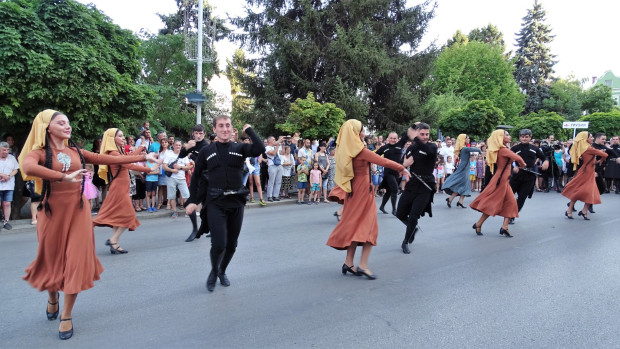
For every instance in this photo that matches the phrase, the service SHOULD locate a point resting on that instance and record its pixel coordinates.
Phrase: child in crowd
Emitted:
(315, 182)
(479, 172)
(449, 166)
(152, 180)
(302, 179)
(90, 190)
(439, 172)
(472, 170)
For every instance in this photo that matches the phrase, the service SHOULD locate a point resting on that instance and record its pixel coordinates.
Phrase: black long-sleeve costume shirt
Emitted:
(220, 166)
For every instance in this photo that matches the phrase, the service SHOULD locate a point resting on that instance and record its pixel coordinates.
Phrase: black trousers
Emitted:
(225, 226)
(410, 208)
(390, 182)
(522, 184)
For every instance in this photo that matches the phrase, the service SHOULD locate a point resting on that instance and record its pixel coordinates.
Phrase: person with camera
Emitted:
(223, 192)
(274, 163)
(551, 174)
(175, 167)
(522, 181)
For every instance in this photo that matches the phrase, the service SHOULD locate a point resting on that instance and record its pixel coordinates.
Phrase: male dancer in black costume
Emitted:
(522, 182)
(418, 194)
(225, 194)
(192, 148)
(393, 150)
(599, 143)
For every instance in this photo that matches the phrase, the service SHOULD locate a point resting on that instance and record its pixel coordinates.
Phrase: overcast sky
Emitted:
(585, 42)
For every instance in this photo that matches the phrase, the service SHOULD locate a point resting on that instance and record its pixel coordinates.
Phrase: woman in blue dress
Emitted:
(458, 183)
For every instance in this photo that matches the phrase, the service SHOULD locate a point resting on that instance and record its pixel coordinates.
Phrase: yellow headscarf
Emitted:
(460, 144)
(348, 146)
(35, 141)
(494, 144)
(107, 145)
(580, 145)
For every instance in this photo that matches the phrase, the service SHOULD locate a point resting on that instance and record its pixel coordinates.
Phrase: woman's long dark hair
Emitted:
(47, 189)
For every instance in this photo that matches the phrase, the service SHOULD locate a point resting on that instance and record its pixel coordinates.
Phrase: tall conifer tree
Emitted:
(534, 61)
(362, 55)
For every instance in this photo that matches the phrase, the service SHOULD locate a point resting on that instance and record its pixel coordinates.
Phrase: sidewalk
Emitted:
(23, 225)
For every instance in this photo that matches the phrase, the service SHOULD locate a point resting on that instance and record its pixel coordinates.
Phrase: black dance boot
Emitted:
(222, 272)
(215, 267)
(194, 234)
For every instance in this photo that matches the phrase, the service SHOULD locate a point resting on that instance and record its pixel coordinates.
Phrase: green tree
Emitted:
(489, 34)
(534, 61)
(565, 98)
(542, 125)
(70, 57)
(458, 38)
(166, 70)
(440, 105)
(608, 122)
(312, 119)
(598, 98)
(478, 71)
(363, 55)
(242, 104)
(478, 119)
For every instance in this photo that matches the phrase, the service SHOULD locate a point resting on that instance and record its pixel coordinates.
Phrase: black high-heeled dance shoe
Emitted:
(591, 209)
(337, 216)
(117, 249)
(448, 203)
(54, 315)
(584, 215)
(66, 334)
(478, 230)
(458, 204)
(366, 273)
(224, 280)
(567, 215)
(346, 268)
(568, 205)
(504, 232)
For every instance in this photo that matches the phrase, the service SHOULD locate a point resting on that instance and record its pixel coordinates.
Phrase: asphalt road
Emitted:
(554, 284)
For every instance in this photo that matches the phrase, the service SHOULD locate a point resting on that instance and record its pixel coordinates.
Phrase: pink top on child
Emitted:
(315, 176)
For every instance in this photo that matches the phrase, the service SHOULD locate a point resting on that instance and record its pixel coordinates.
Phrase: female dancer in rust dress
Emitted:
(117, 211)
(583, 186)
(358, 225)
(66, 259)
(497, 197)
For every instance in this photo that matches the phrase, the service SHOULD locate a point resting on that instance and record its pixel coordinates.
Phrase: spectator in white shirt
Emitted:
(176, 180)
(8, 170)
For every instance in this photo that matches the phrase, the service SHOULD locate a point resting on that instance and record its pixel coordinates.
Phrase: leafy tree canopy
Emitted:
(70, 57)
(565, 98)
(312, 119)
(478, 71)
(356, 54)
(478, 119)
(608, 122)
(542, 125)
(598, 98)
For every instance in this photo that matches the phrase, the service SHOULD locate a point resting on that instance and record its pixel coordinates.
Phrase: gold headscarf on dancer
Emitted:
(348, 146)
(460, 144)
(107, 145)
(494, 144)
(35, 141)
(580, 145)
